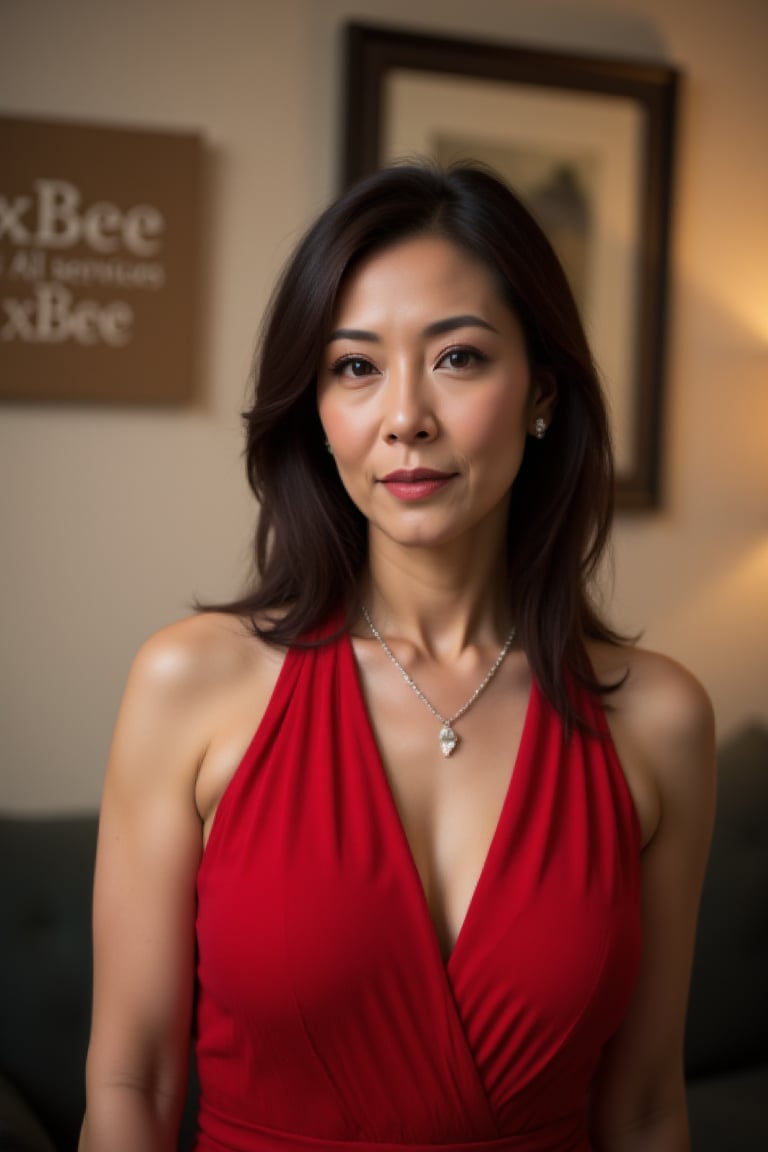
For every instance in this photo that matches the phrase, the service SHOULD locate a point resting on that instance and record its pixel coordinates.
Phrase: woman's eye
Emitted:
(354, 366)
(459, 358)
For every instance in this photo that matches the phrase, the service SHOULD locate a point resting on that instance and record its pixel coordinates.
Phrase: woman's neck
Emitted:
(441, 600)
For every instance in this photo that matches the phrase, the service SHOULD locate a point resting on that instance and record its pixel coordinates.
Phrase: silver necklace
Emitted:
(448, 738)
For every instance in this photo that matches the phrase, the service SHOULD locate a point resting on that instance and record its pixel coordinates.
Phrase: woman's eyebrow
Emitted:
(352, 334)
(451, 323)
(436, 328)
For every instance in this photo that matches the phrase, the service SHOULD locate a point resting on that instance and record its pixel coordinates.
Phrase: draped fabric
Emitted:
(326, 1017)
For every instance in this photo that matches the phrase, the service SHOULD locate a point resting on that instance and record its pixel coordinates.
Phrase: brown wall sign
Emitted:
(99, 263)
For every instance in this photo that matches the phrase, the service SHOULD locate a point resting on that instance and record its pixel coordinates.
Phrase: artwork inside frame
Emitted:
(587, 143)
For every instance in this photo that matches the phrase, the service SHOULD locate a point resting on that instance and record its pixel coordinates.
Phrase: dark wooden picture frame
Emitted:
(625, 112)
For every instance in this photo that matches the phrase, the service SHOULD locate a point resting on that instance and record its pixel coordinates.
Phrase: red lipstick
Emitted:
(415, 483)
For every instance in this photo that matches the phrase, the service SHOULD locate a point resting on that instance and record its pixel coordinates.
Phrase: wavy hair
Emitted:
(311, 541)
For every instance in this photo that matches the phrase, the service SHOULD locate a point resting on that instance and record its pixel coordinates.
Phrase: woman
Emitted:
(446, 894)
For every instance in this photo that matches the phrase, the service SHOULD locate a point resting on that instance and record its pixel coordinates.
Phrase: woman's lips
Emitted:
(417, 484)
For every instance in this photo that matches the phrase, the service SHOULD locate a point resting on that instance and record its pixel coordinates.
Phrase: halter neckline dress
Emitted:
(326, 1019)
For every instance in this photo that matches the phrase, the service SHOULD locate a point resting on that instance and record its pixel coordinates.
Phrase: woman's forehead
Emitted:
(432, 268)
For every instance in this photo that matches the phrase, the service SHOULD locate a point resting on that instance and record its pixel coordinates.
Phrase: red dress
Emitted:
(326, 1018)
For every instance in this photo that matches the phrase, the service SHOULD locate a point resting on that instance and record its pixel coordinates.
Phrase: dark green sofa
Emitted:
(46, 874)
(727, 1033)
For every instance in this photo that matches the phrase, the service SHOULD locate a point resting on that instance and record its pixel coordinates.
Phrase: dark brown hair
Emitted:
(311, 540)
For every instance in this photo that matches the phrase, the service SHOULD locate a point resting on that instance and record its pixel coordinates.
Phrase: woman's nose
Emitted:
(408, 413)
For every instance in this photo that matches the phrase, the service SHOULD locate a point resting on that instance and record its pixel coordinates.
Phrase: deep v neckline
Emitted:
(504, 819)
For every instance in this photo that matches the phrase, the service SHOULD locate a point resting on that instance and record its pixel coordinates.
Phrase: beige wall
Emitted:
(113, 520)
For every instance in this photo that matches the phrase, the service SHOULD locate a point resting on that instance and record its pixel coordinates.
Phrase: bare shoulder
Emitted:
(660, 701)
(662, 722)
(192, 661)
(180, 686)
(194, 652)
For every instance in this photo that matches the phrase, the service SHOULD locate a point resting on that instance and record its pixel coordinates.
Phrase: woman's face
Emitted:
(425, 394)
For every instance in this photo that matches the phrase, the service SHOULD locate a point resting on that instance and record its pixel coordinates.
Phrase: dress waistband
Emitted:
(219, 1133)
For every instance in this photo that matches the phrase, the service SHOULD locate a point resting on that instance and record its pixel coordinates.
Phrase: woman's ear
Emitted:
(543, 402)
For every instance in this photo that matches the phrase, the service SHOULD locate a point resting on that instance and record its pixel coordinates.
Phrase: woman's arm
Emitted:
(664, 723)
(144, 906)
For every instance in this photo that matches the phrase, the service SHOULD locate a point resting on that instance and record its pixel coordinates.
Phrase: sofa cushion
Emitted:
(20, 1130)
(727, 1021)
(728, 1113)
(46, 878)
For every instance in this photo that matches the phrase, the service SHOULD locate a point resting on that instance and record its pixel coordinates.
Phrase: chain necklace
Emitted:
(448, 738)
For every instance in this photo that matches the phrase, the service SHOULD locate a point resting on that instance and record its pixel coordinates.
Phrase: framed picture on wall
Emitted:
(587, 144)
(100, 263)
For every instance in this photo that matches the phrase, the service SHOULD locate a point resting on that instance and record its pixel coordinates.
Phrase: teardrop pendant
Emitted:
(448, 740)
